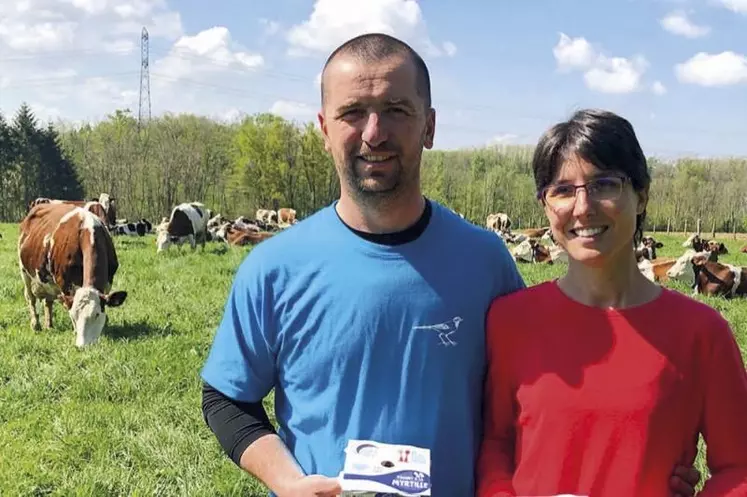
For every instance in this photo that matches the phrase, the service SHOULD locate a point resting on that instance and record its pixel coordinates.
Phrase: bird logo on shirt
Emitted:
(444, 330)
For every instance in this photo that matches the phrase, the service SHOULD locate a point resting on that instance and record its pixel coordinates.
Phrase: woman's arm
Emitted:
(724, 418)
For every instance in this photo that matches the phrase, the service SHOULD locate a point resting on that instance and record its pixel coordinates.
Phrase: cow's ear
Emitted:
(66, 300)
(115, 299)
(659, 245)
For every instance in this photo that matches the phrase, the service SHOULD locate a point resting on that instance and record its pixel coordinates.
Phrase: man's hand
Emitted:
(312, 486)
(683, 481)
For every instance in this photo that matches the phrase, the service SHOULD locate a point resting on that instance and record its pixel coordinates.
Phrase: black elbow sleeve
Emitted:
(235, 424)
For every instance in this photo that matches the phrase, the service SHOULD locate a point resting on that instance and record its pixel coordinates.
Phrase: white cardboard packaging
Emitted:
(374, 469)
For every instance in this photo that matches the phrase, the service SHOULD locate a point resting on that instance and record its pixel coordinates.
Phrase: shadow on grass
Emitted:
(136, 330)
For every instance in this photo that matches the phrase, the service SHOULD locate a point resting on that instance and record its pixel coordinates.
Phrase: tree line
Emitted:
(266, 161)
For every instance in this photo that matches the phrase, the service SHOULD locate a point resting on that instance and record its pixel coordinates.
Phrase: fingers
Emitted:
(324, 486)
(680, 487)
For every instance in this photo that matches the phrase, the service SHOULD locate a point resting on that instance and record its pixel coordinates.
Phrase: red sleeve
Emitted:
(724, 418)
(495, 465)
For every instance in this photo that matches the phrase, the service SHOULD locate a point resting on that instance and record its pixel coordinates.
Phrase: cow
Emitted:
(266, 216)
(286, 216)
(716, 279)
(239, 237)
(498, 222)
(66, 253)
(681, 270)
(139, 228)
(109, 204)
(532, 251)
(534, 232)
(188, 222)
(647, 249)
(656, 270)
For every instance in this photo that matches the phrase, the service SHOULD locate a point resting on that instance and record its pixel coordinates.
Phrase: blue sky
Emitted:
(502, 71)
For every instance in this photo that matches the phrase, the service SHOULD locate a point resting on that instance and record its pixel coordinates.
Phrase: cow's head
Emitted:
(718, 248)
(87, 311)
(163, 240)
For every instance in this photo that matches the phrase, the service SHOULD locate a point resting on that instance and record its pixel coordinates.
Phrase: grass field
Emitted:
(123, 417)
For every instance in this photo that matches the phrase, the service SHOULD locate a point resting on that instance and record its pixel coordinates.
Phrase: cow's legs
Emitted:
(48, 304)
(31, 301)
(192, 242)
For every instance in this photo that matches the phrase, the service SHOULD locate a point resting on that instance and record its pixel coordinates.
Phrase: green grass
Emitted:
(123, 417)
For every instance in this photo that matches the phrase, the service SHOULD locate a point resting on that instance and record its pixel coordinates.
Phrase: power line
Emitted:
(144, 82)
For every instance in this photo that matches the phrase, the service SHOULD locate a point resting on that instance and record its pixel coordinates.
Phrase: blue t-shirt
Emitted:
(366, 341)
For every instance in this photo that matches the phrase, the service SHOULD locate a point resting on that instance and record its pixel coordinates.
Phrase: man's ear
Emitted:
(323, 126)
(430, 128)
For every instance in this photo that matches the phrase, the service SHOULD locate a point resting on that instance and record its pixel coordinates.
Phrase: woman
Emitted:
(600, 382)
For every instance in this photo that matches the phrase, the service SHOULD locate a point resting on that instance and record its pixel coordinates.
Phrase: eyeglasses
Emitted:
(561, 197)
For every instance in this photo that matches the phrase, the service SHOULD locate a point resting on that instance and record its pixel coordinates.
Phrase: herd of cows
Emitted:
(66, 253)
(698, 266)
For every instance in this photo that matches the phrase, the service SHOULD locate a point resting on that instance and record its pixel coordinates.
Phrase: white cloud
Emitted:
(503, 139)
(292, 110)
(334, 21)
(40, 25)
(616, 74)
(601, 73)
(723, 69)
(739, 6)
(208, 52)
(678, 23)
(658, 88)
(574, 53)
(450, 48)
(271, 27)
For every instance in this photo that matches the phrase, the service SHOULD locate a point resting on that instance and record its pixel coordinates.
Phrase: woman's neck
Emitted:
(616, 284)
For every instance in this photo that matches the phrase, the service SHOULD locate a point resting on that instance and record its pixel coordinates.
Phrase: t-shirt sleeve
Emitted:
(724, 414)
(241, 362)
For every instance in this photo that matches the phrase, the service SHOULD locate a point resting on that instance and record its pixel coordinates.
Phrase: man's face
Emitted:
(375, 125)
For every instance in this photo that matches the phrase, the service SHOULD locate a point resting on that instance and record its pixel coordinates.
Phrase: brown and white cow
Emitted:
(286, 216)
(188, 222)
(66, 253)
(656, 270)
(716, 279)
(103, 207)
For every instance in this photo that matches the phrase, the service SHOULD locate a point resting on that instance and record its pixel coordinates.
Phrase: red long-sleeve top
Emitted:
(605, 403)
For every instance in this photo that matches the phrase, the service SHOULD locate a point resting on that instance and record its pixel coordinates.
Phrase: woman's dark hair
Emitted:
(597, 136)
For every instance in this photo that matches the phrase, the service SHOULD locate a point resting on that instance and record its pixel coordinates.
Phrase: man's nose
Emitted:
(374, 132)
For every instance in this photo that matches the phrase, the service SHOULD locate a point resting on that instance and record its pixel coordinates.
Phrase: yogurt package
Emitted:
(374, 469)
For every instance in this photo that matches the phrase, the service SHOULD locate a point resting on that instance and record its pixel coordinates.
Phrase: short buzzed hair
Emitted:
(376, 46)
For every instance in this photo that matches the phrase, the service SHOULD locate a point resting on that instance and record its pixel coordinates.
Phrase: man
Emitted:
(367, 318)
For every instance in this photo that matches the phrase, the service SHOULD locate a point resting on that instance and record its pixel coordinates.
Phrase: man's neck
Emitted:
(384, 217)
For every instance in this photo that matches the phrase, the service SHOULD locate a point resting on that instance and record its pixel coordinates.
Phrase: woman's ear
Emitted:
(642, 197)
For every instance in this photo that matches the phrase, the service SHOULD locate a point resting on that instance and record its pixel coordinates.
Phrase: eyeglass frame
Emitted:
(542, 193)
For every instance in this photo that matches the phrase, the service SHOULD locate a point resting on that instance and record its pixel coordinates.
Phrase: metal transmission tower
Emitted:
(143, 112)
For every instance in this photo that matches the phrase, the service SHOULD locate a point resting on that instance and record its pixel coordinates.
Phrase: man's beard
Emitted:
(375, 188)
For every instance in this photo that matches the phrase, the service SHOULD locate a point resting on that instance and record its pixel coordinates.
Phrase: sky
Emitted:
(502, 71)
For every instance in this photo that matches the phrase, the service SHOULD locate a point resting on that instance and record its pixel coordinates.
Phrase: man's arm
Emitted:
(244, 431)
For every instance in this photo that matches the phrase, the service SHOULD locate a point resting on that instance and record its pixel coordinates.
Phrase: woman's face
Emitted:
(595, 224)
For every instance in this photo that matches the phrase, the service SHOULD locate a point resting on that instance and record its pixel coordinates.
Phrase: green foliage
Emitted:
(269, 162)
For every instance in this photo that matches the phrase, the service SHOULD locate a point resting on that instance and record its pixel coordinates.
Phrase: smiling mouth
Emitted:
(588, 232)
(375, 158)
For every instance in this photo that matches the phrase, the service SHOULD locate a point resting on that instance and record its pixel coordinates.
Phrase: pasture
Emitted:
(123, 417)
